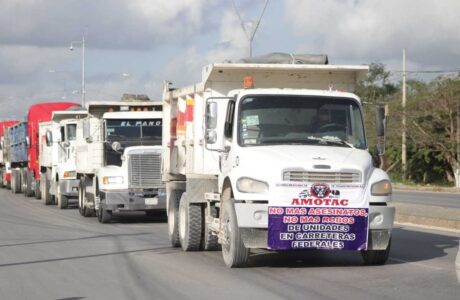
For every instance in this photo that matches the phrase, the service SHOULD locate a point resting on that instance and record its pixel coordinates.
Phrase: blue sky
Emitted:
(133, 45)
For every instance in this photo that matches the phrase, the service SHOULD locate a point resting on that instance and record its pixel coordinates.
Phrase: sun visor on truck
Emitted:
(286, 58)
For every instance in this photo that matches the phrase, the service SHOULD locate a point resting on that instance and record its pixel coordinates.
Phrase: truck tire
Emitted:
(82, 199)
(28, 192)
(45, 190)
(23, 174)
(37, 192)
(173, 217)
(2, 180)
(210, 240)
(15, 181)
(12, 181)
(62, 200)
(104, 216)
(190, 224)
(234, 252)
(376, 257)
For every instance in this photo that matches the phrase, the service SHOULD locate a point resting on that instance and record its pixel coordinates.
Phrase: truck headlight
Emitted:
(381, 188)
(68, 174)
(248, 185)
(112, 180)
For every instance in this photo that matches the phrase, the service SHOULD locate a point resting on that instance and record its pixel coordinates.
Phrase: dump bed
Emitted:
(18, 143)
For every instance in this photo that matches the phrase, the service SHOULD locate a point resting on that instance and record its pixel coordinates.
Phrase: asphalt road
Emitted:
(46, 253)
(442, 199)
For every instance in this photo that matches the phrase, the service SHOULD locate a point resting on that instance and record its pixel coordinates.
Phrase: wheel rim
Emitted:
(227, 232)
(182, 221)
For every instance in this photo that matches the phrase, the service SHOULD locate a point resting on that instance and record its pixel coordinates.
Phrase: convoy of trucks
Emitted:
(258, 154)
(118, 159)
(5, 170)
(273, 156)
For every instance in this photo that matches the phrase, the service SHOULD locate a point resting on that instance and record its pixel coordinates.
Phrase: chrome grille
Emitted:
(328, 177)
(144, 170)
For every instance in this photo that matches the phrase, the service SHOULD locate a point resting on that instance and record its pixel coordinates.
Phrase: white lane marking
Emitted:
(442, 229)
(416, 263)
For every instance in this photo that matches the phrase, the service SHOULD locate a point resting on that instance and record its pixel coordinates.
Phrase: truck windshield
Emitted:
(117, 130)
(315, 120)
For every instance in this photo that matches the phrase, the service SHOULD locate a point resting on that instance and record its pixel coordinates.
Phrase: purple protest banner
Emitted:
(321, 228)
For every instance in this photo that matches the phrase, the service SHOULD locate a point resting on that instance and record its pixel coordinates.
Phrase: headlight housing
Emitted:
(249, 185)
(112, 180)
(381, 188)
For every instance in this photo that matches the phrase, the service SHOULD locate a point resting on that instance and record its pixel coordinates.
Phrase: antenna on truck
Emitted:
(253, 25)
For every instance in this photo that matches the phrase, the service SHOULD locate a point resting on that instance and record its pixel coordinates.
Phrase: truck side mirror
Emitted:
(27, 142)
(380, 122)
(1, 143)
(211, 123)
(49, 138)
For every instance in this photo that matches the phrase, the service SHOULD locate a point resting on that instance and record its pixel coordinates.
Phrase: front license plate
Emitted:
(151, 201)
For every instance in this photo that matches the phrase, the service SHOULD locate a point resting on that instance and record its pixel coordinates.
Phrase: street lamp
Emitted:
(82, 42)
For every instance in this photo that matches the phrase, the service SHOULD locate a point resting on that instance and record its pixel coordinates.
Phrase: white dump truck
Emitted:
(57, 152)
(273, 156)
(118, 158)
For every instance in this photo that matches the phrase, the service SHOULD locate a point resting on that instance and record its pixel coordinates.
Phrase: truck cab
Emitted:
(119, 158)
(130, 178)
(57, 156)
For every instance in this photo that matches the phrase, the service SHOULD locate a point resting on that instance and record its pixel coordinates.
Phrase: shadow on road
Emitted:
(407, 246)
(158, 250)
(77, 239)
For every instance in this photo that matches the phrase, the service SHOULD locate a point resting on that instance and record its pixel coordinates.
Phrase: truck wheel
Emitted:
(23, 175)
(62, 200)
(12, 181)
(37, 192)
(376, 257)
(81, 204)
(104, 216)
(28, 192)
(210, 240)
(233, 250)
(45, 190)
(15, 181)
(190, 224)
(173, 217)
(82, 199)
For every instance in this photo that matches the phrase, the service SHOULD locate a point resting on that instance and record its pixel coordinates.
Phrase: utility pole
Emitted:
(255, 25)
(457, 176)
(83, 90)
(404, 151)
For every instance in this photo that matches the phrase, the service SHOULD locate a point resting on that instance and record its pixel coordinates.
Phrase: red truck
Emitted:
(24, 148)
(5, 171)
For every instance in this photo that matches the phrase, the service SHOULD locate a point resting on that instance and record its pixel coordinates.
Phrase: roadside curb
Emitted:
(427, 215)
(402, 187)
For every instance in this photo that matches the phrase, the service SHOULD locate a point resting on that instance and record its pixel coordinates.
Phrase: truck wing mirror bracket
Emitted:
(380, 121)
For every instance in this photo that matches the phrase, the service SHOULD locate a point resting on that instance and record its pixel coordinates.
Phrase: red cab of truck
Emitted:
(26, 176)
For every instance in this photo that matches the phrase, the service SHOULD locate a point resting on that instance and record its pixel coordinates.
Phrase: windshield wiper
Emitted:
(331, 140)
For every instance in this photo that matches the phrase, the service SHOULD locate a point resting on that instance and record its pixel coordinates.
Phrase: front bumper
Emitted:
(69, 187)
(133, 200)
(253, 223)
